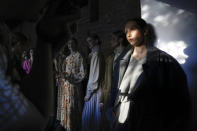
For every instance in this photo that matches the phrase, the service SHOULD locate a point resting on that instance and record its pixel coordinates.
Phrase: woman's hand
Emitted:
(86, 98)
(101, 106)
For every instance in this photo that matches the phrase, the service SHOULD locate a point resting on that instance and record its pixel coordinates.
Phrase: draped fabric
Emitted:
(158, 99)
(91, 116)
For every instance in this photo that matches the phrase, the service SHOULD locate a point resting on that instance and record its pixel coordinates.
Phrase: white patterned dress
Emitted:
(71, 92)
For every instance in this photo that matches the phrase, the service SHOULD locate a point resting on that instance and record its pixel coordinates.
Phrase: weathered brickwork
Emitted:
(112, 16)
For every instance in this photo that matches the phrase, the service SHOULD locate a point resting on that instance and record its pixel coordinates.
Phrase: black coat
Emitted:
(160, 98)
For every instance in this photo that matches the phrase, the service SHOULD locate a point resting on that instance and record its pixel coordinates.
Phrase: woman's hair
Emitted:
(140, 22)
(150, 36)
(120, 34)
(95, 37)
(74, 44)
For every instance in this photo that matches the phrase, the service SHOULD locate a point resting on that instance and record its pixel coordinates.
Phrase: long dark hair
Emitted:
(151, 36)
(74, 44)
(142, 25)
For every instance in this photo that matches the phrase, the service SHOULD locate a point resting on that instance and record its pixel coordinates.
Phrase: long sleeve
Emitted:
(94, 74)
(107, 83)
(80, 72)
(64, 73)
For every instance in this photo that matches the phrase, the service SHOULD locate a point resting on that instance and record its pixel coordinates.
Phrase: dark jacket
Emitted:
(160, 98)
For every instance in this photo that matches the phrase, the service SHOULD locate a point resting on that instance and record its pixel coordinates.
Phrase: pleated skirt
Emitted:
(91, 116)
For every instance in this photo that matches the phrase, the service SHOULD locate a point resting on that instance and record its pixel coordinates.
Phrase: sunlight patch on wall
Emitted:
(171, 25)
(174, 48)
(162, 19)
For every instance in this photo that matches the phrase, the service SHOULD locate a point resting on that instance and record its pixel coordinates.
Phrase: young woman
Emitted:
(118, 44)
(91, 117)
(153, 93)
(71, 92)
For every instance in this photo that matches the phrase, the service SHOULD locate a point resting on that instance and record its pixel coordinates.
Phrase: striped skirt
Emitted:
(91, 116)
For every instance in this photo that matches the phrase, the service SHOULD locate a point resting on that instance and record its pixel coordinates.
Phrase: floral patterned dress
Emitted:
(58, 62)
(71, 92)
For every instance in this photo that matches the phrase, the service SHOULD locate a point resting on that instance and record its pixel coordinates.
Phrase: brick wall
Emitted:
(112, 16)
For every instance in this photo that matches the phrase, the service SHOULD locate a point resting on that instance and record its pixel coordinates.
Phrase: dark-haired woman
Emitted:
(153, 93)
(108, 93)
(91, 117)
(71, 92)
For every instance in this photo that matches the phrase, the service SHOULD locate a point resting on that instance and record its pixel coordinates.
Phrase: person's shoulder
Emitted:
(95, 54)
(125, 54)
(77, 54)
(127, 49)
(161, 59)
(157, 55)
(109, 57)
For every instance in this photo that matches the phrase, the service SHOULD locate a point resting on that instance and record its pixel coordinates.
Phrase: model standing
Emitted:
(71, 92)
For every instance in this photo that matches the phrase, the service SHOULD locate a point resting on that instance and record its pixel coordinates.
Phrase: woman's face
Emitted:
(70, 42)
(133, 34)
(61, 52)
(24, 55)
(31, 52)
(91, 42)
(114, 41)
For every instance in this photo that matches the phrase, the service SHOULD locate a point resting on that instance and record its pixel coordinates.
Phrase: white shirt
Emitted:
(94, 71)
(130, 77)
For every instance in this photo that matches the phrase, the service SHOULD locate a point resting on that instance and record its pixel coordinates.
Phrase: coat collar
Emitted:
(123, 61)
(152, 52)
(126, 54)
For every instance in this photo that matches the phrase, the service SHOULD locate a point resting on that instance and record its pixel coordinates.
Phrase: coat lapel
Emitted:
(120, 68)
(123, 66)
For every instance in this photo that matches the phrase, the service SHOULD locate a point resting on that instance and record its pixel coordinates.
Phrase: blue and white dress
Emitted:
(91, 116)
